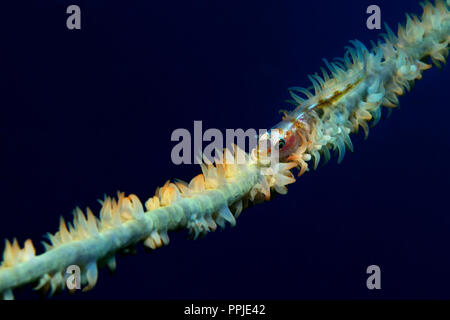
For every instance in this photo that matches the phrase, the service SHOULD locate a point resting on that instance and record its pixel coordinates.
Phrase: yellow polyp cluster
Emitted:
(439, 53)
(82, 228)
(157, 239)
(14, 255)
(115, 212)
(411, 33)
(300, 157)
(433, 15)
(167, 194)
(260, 192)
(363, 116)
(130, 207)
(152, 203)
(415, 29)
(197, 184)
(213, 177)
(280, 176)
(228, 167)
(112, 214)
(276, 175)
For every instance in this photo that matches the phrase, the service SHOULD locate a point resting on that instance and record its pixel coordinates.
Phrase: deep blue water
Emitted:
(89, 112)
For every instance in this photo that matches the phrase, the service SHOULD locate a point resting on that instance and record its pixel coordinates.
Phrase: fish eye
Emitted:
(281, 143)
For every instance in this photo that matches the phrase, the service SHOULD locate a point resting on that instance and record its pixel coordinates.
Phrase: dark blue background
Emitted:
(89, 112)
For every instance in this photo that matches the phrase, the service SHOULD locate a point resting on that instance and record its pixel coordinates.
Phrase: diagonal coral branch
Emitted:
(349, 95)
